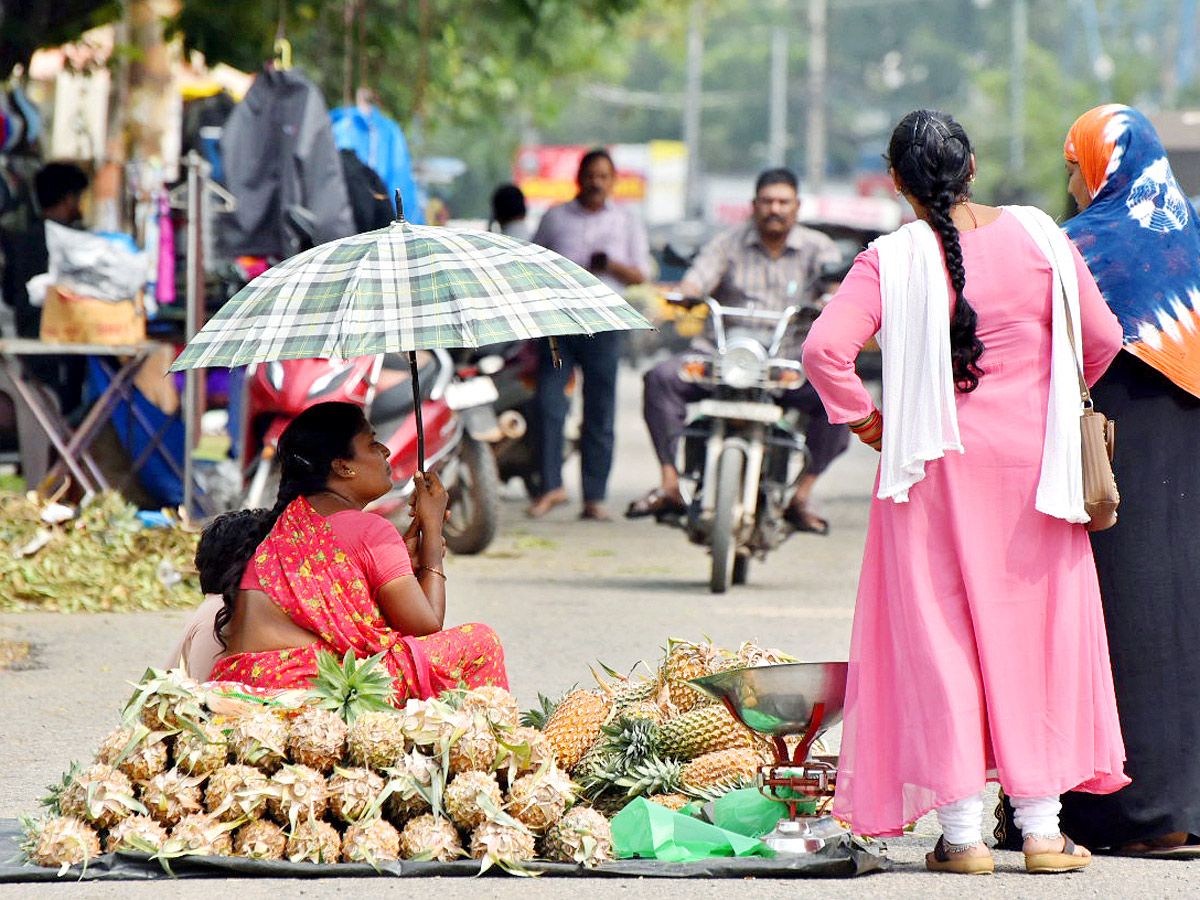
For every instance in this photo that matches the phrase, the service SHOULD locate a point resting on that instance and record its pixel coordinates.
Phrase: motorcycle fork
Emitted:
(713, 446)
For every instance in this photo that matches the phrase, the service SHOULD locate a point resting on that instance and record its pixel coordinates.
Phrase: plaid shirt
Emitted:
(734, 268)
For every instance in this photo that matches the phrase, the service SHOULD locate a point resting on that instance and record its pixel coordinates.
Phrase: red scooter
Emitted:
(459, 420)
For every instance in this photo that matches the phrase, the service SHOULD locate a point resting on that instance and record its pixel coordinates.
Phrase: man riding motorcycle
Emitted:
(771, 262)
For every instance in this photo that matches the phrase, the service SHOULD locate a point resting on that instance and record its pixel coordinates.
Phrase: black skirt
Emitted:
(1149, 568)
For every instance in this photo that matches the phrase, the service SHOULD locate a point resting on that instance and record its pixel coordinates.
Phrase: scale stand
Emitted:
(790, 700)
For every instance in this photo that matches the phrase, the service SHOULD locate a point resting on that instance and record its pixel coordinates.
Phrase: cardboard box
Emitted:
(68, 318)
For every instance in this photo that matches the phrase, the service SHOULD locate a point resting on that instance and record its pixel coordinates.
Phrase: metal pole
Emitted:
(777, 152)
(692, 101)
(817, 62)
(416, 388)
(1020, 35)
(191, 392)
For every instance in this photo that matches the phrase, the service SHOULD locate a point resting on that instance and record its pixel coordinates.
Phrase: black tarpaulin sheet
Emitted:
(843, 860)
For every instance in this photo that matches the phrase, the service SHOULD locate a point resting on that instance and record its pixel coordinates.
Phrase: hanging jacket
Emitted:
(278, 150)
(379, 142)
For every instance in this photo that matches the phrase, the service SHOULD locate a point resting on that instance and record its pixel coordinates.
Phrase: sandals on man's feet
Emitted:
(655, 503)
(941, 860)
(1064, 860)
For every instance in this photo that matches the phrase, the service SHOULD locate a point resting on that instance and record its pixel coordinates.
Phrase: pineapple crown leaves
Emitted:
(54, 792)
(96, 796)
(350, 687)
(406, 785)
(538, 716)
(652, 775)
(166, 690)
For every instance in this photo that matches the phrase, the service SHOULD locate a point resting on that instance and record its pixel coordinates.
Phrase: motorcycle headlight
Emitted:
(742, 367)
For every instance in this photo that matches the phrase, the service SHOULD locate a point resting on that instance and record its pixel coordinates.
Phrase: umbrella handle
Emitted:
(416, 387)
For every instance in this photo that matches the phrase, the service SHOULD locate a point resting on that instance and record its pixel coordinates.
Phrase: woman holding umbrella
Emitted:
(329, 576)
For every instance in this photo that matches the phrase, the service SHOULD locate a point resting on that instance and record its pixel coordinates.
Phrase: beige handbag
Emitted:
(1098, 434)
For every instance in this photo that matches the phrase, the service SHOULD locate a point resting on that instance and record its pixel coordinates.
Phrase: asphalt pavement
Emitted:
(563, 594)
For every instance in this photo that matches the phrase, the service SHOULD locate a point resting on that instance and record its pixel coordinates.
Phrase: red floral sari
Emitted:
(308, 575)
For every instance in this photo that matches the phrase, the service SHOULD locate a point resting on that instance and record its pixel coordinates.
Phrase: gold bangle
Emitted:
(438, 572)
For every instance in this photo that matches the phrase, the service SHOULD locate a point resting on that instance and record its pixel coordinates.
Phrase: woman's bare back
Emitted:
(258, 625)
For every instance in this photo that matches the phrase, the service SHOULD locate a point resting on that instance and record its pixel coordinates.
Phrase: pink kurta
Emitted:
(978, 649)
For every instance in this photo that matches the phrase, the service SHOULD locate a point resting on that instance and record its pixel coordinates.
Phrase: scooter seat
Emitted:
(397, 401)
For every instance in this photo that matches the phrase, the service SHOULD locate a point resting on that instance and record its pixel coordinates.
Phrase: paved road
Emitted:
(562, 593)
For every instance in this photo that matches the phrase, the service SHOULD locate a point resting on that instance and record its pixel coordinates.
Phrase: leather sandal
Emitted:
(801, 518)
(940, 860)
(1064, 860)
(655, 503)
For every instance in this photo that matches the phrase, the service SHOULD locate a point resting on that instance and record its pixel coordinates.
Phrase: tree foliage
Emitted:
(26, 25)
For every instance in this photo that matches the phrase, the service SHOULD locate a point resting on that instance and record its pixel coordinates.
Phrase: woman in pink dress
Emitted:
(978, 650)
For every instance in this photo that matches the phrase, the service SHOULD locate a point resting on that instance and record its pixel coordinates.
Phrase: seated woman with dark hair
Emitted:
(329, 576)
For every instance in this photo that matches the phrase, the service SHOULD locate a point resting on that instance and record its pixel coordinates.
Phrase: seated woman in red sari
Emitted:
(330, 576)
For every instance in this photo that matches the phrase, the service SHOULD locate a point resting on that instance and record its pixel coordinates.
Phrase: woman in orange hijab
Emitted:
(1140, 237)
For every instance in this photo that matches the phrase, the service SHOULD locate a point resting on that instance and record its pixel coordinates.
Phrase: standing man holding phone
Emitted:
(610, 242)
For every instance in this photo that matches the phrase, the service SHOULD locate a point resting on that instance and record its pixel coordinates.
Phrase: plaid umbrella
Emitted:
(405, 288)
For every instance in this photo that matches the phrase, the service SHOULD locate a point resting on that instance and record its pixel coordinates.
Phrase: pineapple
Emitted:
(63, 842)
(101, 796)
(750, 654)
(468, 794)
(353, 793)
(643, 709)
(704, 729)
(575, 725)
(524, 750)
(259, 739)
(622, 744)
(650, 776)
(670, 801)
(538, 801)
(376, 739)
(200, 835)
(371, 842)
(313, 841)
(316, 738)
(474, 750)
(582, 835)
(429, 837)
(352, 687)
(259, 839)
(172, 795)
(166, 701)
(299, 793)
(412, 786)
(203, 750)
(685, 661)
(495, 704)
(135, 833)
(504, 844)
(138, 752)
(426, 722)
(237, 792)
(720, 771)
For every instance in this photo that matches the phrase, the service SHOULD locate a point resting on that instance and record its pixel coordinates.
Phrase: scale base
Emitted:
(803, 834)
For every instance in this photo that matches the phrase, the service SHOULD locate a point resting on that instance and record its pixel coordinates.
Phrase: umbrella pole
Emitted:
(416, 386)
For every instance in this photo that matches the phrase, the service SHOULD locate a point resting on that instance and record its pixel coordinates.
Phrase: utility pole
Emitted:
(693, 98)
(1020, 35)
(777, 143)
(814, 169)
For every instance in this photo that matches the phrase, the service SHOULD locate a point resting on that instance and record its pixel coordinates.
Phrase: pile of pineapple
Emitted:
(340, 776)
(657, 736)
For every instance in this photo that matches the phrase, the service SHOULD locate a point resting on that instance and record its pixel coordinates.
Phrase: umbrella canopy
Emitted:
(403, 288)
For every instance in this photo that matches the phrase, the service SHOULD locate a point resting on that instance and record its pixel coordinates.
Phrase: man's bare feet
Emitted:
(596, 511)
(547, 502)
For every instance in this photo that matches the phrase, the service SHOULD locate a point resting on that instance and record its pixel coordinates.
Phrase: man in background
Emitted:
(610, 241)
(773, 263)
(58, 189)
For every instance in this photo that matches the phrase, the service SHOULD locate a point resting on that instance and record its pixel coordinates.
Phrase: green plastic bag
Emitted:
(652, 831)
(748, 812)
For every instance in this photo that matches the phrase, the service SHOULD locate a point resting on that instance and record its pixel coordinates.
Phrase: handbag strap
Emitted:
(1085, 396)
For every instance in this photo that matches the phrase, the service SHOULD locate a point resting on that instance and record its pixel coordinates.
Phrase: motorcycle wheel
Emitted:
(729, 500)
(741, 569)
(474, 499)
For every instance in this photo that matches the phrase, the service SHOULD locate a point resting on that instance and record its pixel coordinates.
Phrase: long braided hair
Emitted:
(307, 449)
(931, 154)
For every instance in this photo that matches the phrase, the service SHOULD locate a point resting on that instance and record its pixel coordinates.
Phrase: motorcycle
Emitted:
(742, 454)
(459, 421)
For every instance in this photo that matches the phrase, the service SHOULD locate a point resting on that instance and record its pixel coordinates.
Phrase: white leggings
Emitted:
(962, 821)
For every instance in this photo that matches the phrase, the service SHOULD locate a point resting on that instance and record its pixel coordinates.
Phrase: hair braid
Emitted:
(931, 154)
